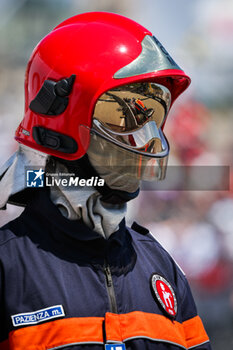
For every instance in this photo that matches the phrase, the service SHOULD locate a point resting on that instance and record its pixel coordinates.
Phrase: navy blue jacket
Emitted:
(63, 286)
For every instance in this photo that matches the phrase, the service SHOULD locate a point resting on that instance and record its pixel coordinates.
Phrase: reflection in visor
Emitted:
(131, 116)
(129, 107)
(133, 110)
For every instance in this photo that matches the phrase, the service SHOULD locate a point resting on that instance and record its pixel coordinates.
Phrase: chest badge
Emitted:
(164, 294)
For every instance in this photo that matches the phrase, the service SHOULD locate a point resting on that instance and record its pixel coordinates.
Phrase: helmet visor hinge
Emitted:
(52, 98)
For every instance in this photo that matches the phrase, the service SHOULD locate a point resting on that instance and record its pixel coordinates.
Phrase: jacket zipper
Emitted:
(110, 289)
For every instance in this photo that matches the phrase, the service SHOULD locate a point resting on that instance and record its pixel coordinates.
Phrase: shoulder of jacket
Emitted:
(143, 234)
(143, 231)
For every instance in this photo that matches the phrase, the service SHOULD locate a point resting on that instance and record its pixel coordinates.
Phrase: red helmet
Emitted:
(81, 59)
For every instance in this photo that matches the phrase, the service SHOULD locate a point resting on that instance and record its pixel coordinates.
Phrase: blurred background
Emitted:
(196, 227)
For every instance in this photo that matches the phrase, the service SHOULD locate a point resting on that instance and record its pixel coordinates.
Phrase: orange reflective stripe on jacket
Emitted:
(195, 333)
(118, 328)
(138, 324)
(67, 331)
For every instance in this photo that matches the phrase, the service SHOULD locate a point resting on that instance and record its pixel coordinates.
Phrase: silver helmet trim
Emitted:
(153, 57)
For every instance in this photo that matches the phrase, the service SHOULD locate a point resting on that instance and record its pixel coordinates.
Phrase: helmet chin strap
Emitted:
(83, 167)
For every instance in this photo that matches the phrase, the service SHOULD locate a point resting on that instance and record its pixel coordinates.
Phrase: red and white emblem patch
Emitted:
(165, 294)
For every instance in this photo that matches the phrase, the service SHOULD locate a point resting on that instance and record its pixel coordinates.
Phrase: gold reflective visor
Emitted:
(131, 116)
(129, 107)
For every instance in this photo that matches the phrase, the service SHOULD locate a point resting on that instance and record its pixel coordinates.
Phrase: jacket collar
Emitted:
(72, 238)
